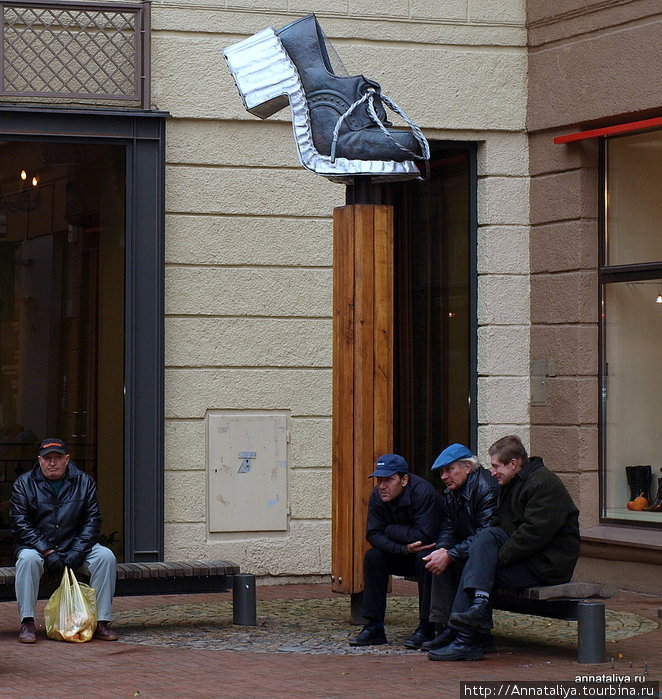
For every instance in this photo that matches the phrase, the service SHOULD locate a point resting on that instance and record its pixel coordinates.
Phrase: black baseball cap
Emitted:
(52, 444)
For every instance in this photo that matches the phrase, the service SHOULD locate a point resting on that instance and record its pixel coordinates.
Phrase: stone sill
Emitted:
(618, 543)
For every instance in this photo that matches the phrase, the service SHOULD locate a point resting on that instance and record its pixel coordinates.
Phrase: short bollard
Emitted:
(243, 600)
(591, 632)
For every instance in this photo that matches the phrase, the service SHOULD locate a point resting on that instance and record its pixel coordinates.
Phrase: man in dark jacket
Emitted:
(469, 505)
(56, 522)
(534, 541)
(404, 518)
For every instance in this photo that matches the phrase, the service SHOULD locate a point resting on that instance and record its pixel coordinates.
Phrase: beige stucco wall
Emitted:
(249, 236)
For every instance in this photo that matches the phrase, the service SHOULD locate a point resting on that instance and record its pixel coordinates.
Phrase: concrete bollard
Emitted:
(243, 600)
(591, 632)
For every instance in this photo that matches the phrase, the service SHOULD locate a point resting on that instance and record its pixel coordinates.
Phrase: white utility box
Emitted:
(247, 471)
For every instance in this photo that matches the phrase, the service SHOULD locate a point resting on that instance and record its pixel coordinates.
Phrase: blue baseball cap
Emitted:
(388, 464)
(453, 453)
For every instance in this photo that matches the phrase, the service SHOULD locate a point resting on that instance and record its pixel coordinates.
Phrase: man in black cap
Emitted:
(56, 521)
(404, 518)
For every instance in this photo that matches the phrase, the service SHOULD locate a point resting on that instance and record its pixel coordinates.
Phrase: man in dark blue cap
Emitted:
(469, 503)
(404, 519)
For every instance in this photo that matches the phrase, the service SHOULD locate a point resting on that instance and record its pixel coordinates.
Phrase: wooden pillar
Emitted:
(362, 376)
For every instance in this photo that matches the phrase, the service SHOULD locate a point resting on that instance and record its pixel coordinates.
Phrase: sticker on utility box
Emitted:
(246, 457)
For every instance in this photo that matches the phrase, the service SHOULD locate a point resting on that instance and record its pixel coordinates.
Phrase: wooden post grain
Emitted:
(362, 376)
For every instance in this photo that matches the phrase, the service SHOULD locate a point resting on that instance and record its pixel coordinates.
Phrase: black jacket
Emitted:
(466, 511)
(414, 516)
(538, 514)
(42, 520)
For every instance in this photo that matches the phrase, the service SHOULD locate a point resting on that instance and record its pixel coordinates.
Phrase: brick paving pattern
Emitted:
(188, 665)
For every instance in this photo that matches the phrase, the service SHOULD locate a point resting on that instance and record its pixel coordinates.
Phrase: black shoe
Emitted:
(464, 647)
(443, 639)
(478, 616)
(369, 636)
(424, 633)
(487, 643)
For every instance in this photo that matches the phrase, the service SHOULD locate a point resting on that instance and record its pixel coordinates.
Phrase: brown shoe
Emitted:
(104, 632)
(27, 633)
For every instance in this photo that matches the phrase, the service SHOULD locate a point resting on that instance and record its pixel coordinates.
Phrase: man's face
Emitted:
(54, 465)
(455, 474)
(392, 487)
(504, 473)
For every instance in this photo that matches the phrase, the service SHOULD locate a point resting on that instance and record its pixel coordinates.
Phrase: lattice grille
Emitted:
(78, 50)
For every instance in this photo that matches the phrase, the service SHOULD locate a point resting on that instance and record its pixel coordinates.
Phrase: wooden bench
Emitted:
(162, 578)
(563, 602)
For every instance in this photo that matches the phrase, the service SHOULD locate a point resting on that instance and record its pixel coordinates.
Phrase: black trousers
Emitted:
(378, 565)
(483, 572)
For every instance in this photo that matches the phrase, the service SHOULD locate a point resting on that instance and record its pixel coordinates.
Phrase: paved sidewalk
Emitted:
(142, 668)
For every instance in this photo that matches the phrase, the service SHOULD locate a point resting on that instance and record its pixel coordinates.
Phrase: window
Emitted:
(631, 327)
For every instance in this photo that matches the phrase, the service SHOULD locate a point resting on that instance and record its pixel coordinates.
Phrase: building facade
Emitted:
(194, 256)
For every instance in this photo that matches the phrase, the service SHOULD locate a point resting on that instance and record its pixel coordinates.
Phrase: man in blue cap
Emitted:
(469, 504)
(533, 540)
(404, 519)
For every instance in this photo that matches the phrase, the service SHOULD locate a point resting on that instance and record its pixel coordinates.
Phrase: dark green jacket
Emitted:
(538, 514)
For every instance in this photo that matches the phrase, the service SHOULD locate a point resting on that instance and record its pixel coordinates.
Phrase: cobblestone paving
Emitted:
(320, 626)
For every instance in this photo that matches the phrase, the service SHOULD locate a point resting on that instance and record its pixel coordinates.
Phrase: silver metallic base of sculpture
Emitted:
(267, 80)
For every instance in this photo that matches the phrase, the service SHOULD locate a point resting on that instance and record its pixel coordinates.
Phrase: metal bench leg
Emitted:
(591, 646)
(243, 600)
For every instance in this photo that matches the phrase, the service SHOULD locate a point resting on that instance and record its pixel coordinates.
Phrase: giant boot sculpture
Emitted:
(339, 121)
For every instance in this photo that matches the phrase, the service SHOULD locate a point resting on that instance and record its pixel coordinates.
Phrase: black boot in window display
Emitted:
(339, 121)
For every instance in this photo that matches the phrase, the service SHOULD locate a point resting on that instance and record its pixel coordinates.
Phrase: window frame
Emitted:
(143, 135)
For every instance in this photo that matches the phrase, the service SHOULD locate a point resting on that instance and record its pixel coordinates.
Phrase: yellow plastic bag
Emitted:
(71, 611)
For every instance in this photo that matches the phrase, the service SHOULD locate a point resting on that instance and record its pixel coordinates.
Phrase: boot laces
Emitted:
(369, 97)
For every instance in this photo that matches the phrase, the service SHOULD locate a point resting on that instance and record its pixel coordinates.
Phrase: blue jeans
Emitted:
(100, 565)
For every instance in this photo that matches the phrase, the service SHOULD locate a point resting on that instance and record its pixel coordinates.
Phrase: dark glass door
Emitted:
(62, 245)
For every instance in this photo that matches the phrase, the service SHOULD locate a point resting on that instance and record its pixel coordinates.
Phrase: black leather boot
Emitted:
(639, 481)
(330, 96)
(478, 616)
(656, 505)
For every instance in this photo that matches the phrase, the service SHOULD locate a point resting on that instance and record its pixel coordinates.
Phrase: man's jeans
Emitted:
(100, 565)
(378, 565)
(483, 572)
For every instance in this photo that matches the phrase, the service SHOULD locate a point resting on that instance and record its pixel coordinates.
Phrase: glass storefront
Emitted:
(631, 286)
(62, 244)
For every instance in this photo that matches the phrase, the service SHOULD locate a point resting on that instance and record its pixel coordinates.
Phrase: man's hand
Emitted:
(54, 562)
(74, 559)
(438, 561)
(417, 546)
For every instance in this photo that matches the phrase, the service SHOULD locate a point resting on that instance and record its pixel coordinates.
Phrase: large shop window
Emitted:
(631, 329)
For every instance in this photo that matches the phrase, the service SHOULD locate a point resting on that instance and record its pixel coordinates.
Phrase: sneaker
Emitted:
(424, 632)
(369, 636)
(28, 633)
(104, 632)
(477, 616)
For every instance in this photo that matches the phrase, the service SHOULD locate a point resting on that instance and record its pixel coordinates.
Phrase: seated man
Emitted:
(55, 521)
(404, 518)
(534, 541)
(469, 504)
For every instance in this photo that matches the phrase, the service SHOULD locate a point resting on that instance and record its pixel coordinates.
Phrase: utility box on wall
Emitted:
(247, 471)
